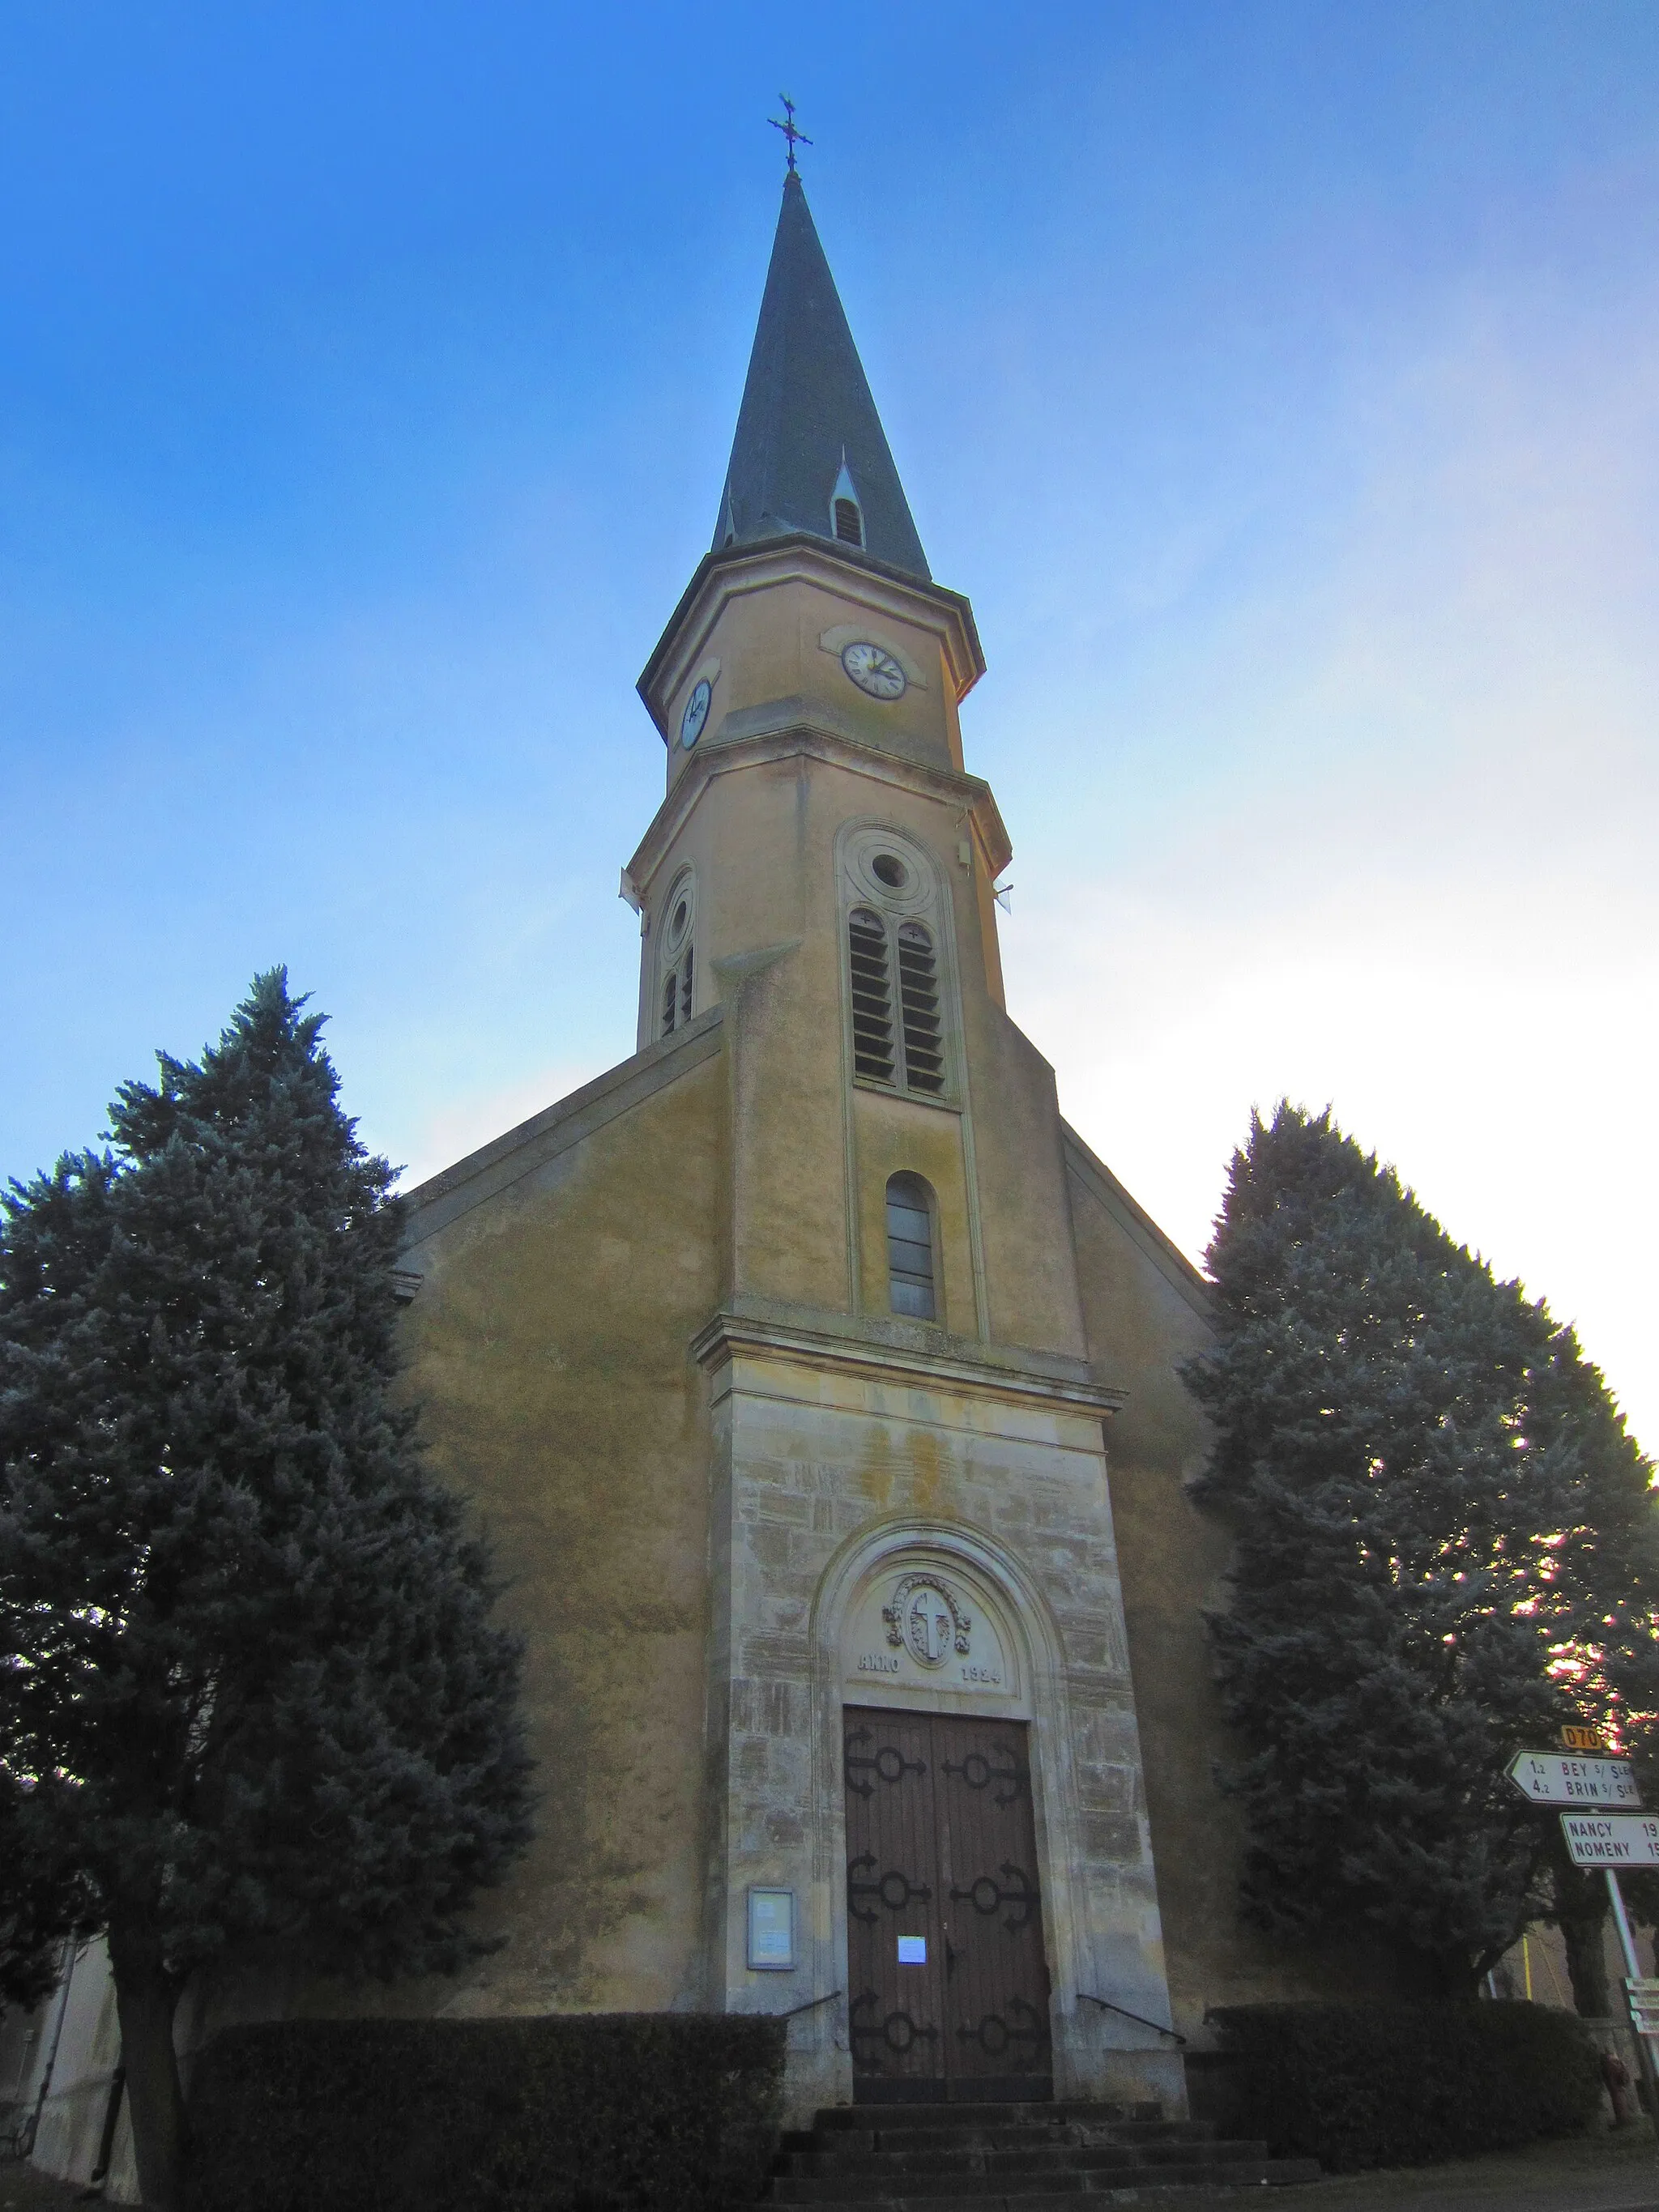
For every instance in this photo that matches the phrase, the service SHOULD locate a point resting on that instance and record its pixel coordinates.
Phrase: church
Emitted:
(821, 1388)
(820, 1391)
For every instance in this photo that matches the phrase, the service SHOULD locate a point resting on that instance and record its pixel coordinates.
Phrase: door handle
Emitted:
(952, 1956)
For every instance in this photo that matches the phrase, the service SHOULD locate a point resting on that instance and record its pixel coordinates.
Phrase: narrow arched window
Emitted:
(849, 523)
(872, 995)
(910, 1247)
(677, 992)
(677, 956)
(924, 1051)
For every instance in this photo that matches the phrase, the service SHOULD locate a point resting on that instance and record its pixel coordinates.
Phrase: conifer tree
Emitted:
(251, 1692)
(1446, 1545)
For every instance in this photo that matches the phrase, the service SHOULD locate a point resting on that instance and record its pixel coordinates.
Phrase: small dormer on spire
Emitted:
(808, 436)
(846, 509)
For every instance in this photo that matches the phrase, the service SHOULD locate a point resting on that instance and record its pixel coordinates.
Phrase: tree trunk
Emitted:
(1581, 1914)
(146, 1997)
(1586, 1967)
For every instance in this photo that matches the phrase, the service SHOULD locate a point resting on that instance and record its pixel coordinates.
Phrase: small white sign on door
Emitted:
(913, 1950)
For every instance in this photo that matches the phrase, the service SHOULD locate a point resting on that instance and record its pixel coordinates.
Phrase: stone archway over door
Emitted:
(948, 1983)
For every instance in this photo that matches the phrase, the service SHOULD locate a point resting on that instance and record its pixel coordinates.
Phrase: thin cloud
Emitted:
(1424, 889)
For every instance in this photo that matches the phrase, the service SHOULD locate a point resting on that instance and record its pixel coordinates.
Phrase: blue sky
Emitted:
(1280, 380)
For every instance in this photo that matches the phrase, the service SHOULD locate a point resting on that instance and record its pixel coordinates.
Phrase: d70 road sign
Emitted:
(1612, 1840)
(1556, 1777)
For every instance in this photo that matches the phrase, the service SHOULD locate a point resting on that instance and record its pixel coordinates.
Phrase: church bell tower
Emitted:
(806, 690)
(919, 1714)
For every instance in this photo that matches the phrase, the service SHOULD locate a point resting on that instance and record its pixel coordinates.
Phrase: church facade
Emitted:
(821, 1388)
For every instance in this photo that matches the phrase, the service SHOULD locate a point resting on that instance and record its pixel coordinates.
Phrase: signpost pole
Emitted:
(1596, 1838)
(1632, 1967)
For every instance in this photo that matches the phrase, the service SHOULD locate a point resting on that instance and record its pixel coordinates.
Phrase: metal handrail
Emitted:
(1086, 1996)
(811, 2005)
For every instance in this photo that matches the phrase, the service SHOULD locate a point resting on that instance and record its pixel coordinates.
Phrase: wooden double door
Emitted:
(947, 1983)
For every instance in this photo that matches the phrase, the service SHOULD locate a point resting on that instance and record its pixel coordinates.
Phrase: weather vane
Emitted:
(788, 126)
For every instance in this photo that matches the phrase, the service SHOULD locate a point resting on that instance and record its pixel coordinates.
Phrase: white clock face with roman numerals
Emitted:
(695, 714)
(873, 670)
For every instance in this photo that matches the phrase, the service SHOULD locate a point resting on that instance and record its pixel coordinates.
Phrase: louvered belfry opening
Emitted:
(675, 1008)
(677, 996)
(909, 1053)
(910, 1247)
(872, 995)
(924, 1052)
(849, 523)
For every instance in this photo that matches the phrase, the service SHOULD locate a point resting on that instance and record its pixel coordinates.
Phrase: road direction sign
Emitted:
(1612, 1840)
(1556, 1778)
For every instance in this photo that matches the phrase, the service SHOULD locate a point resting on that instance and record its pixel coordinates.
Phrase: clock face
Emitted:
(695, 714)
(874, 671)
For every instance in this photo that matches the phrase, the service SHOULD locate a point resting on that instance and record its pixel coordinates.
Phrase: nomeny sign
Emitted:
(1611, 1839)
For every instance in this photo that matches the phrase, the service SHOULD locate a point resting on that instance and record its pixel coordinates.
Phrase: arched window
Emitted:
(910, 1247)
(899, 985)
(678, 958)
(872, 995)
(677, 995)
(910, 1052)
(924, 1051)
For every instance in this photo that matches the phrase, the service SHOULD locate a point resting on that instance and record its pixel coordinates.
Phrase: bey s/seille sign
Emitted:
(1555, 1778)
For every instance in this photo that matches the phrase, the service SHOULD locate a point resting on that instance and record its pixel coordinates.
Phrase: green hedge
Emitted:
(1358, 2085)
(601, 2112)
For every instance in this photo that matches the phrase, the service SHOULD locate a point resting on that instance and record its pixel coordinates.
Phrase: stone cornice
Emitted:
(812, 741)
(881, 1351)
(852, 576)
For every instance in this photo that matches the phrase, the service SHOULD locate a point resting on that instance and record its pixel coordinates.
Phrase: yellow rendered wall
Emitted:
(768, 644)
(1030, 1282)
(548, 1348)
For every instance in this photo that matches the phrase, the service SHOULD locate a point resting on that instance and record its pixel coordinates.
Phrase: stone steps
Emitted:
(1143, 2189)
(1027, 2158)
(998, 2113)
(991, 2142)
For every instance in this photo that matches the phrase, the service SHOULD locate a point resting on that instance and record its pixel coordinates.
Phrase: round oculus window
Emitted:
(679, 915)
(888, 868)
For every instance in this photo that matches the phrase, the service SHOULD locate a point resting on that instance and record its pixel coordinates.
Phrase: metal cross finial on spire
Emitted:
(788, 126)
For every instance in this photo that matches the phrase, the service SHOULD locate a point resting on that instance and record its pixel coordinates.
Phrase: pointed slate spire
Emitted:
(808, 427)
